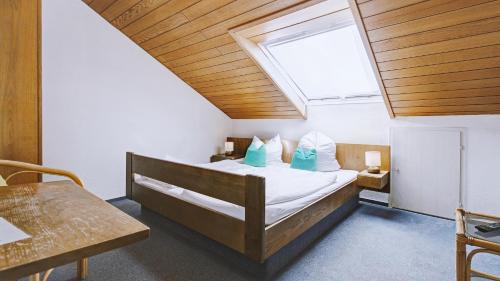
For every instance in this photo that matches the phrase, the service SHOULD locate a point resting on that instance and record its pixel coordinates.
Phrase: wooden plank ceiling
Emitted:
(436, 57)
(191, 38)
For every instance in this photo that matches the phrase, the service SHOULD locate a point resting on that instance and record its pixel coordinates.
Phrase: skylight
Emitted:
(329, 65)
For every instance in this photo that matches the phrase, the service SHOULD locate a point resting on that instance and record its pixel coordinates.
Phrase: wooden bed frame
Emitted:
(250, 237)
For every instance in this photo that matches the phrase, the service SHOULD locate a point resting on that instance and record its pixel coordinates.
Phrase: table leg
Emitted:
(460, 260)
(83, 268)
(34, 277)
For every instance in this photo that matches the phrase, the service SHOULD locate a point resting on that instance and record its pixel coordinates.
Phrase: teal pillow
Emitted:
(256, 156)
(304, 159)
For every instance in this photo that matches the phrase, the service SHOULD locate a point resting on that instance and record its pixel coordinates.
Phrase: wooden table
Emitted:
(220, 157)
(66, 223)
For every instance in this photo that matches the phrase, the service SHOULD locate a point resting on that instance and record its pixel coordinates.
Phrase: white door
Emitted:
(426, 170)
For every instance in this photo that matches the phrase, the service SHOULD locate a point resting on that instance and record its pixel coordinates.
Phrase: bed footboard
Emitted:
(246, 237)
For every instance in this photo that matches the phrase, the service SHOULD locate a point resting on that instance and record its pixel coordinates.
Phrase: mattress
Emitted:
(287, 190)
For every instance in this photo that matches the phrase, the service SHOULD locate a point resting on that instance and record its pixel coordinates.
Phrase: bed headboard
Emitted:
(350, 156)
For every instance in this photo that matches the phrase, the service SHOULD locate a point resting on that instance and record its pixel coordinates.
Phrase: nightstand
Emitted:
(220, 157)
(373, 181)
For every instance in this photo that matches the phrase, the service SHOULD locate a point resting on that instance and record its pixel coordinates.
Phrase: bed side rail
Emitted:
(224, 186)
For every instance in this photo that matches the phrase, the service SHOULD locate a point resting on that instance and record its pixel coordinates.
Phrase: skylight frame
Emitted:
(305, 16)
(357, 97)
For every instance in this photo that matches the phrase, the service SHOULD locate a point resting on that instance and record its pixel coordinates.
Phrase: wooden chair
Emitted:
(33, 168)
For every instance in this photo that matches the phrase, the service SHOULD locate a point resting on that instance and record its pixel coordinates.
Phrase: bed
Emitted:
(226, 201)
(286, 181)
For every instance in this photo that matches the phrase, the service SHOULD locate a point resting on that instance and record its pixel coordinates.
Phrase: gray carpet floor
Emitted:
(374, 243)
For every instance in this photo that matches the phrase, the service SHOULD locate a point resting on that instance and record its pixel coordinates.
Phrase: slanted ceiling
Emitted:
(437, 57)
(191, 38)
(432, 57)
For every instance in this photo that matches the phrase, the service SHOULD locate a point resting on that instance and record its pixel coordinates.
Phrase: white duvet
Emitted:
(283, 183)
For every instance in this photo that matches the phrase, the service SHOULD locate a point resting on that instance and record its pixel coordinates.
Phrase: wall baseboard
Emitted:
(374, 202)
(116, 199)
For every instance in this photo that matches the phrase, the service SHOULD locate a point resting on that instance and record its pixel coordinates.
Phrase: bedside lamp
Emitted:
(229, 147)
(372, 160)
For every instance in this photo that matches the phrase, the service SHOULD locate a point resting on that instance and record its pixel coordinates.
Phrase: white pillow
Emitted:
(325, 149)
(258, 143)
(274, 149)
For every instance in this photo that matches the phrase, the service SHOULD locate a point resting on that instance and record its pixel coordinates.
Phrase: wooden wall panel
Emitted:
(435, 57)
(191, 38)
(19, 84)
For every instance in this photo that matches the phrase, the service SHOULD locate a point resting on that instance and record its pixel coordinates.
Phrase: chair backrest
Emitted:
(33, 168)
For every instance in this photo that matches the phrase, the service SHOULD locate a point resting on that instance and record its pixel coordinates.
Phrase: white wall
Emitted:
(481, 157)
(103, 96)
(370, 123)
(350, 123)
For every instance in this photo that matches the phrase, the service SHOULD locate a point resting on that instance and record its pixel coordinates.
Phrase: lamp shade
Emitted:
(372, 158)
(229, 146)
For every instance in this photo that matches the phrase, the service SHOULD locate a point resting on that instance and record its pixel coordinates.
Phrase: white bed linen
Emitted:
(287, 190)
(282, 183)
